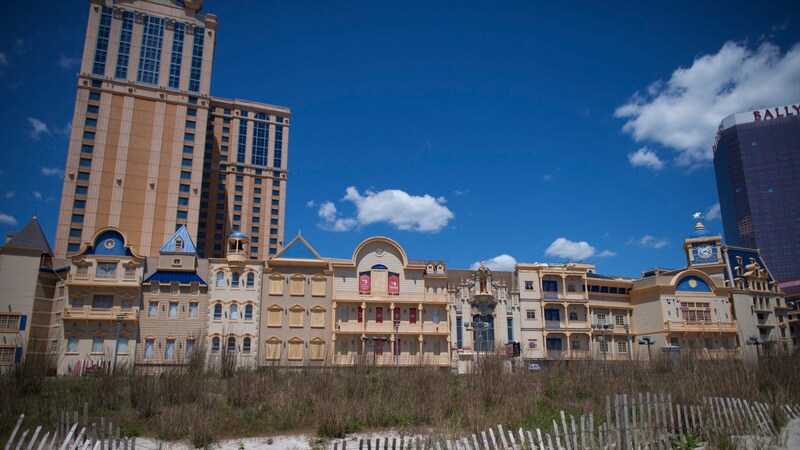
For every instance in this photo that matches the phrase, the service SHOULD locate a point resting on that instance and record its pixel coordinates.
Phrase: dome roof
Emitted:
(700, 231)
(238, 234)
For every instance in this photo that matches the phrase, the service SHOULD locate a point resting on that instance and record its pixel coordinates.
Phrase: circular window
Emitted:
(109, 243)
(379, 251)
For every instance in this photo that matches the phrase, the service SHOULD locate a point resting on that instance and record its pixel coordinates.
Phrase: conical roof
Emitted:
(31, 236)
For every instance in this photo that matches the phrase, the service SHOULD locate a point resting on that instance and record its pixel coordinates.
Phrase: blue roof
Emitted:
(745, 254)
(183, 235)
(168, 276)
(109, 243)
(297, 249)
(238, 234)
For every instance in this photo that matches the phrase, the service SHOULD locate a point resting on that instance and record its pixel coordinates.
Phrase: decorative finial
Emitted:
(35, 211)
(697, 216)
(298, 231)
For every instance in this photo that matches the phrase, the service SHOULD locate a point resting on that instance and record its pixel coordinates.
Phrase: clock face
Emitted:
(705, 252)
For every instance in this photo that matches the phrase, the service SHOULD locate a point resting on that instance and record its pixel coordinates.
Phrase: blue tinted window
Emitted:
(197, 59)
(177, 56)
(188, 149)
(88, 135)
(186, 162)
(260, 143)
(186, 175)
(92, 109)
(123, 55)
(83, 176)
(85, 162)
(188, 137)
(73, 247)
(277, 160)
(182, 215)
(79, 204)
(86, 148)
(150, 55)
(91, 122)
(191, 124)
(183, 188)
(81, 190)
(101, 48)
(77, 218)
(94, 96)
(242, 146)
(183, 201)
(191, 112)
(75, 232)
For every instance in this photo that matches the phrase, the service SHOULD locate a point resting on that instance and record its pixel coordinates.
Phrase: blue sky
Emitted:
(464, 130)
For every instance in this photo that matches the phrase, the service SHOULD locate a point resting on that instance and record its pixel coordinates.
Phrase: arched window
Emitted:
(251, 280)
(248, 312)
(215, 345)
(246, 346)
(234, 312)
(235, 280)
(217, 312)
(231, 344)
(220, 279)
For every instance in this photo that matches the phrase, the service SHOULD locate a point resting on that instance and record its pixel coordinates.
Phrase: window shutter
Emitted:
(318, 287)
(22, 322)
(18, 355)
(298, 285)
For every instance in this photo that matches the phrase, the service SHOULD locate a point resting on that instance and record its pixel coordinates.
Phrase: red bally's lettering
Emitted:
(756, 115)
(769, 114)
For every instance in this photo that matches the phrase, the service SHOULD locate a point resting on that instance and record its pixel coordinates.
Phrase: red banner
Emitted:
(364, 283)
(379, 314)
(394, 284)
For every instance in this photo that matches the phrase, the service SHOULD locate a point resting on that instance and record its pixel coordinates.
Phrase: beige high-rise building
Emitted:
(151, 150)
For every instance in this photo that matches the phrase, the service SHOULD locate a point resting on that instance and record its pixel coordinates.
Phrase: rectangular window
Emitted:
(529, 285)
(550, 285)
(298, 286)
(123, 55)
(72, 344)
(197, 59)
(532, 343)
(510, 329)
(622, 347)
(122, 344)
(193, 310)
(173, 310)
(186, 175)
(102, 301)
(182, 215)
(92, 109)
(296, 317)
(317, 317)
(101, 48)
(318, 287)
(260, 144)
(97, 344)
(106, 270)
(94, 96)
(276, 286)
(278, 155)
(242, 145)
(88, 135)
(177, 56)
(152, 309)
(169, 350)
(295, 351)
(530, 314)
(620, 319)
(150, 55)
(85, 162)
(436, 316)
(10, 322)
(459, 333)
(91, 122)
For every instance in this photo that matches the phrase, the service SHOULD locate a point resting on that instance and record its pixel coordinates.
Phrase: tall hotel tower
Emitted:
(756, 156)
(151, 150)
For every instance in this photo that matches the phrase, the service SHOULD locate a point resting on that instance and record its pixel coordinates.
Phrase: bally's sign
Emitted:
(773, 113)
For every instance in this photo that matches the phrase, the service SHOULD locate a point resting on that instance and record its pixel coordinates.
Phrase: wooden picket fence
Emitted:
(71, 434)
(644, 421)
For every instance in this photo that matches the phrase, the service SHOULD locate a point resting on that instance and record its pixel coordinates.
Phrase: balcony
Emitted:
(403, 297)
(388, 360)
(700, 327)
(110, 314)
(117, 278)
(572, 325)
(387, 327)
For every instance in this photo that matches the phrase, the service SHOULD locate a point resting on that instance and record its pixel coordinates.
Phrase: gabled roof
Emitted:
(31, 237)
(183, 235)
(298, 248)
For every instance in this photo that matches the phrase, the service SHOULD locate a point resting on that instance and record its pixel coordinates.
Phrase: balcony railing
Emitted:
(550, 295)
(427, 327)
(403, 297)
(89, 313)
(553, 324)
(701, 327)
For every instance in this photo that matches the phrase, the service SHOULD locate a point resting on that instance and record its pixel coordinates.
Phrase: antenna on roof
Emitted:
(35, 211)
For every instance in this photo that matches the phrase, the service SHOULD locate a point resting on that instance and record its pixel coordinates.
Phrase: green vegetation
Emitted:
(204, 407)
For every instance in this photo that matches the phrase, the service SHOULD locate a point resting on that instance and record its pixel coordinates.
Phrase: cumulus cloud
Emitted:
(66, 62)
(53, 171)
(648, 241)
(684, 112)
(6, 219)
(645, 157)
(37, 128)
(564, 248)
(330, 222)
(713, 212)
(501, 262)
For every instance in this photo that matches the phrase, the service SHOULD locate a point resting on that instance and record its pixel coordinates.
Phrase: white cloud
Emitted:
(648, 241)
(66, 62)
(311, 204)
(5, 219)
(713, 212)
(9, 195)
(460, 193)
(684, 112)
(39, 128)
(564, 248)
(501, 262)
(645, 157)
(3, 59)
(330, 222)
(52, 171)
(66, 130)
(547, 177)
(37, 195)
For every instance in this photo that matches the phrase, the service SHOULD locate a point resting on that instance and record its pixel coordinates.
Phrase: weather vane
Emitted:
(697, 216)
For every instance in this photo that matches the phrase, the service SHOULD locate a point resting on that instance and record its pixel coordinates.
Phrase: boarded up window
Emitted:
(298, 283)
(274, 316)
(273, 350)
(296, 316)
(316, 350)
(276, 285)
(318, 317)
(379, 281)
(318, 287)
(295, 351)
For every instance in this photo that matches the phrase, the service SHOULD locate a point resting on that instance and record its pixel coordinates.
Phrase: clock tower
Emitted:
(702, 247)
